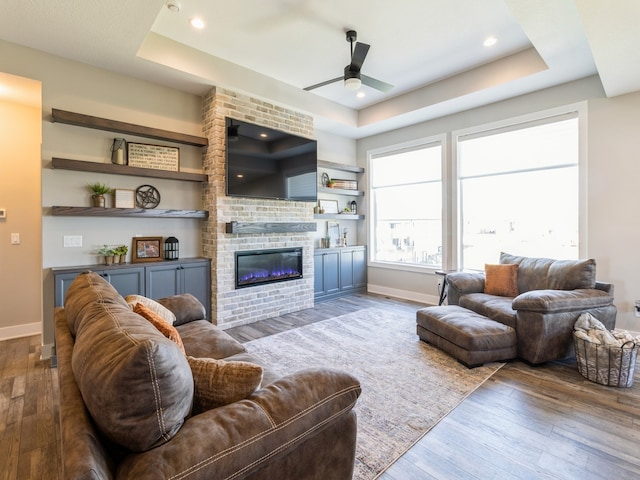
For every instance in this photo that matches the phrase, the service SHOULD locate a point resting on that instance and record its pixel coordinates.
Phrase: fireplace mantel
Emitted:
(269, 227)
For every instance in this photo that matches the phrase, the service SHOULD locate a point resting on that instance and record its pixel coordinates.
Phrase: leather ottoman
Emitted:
(467, 336)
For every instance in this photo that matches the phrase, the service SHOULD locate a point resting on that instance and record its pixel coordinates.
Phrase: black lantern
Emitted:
(171, 248)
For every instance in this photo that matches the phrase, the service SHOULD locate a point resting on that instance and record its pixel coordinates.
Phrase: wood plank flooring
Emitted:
(523, 423)
(29, 420)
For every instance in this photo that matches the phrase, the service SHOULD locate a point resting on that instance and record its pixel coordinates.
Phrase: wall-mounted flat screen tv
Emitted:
(267, 163)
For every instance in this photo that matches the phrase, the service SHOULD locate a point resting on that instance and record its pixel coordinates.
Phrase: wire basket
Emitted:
(605, 364)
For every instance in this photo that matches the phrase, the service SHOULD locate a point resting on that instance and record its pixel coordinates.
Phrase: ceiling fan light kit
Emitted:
(352, 78)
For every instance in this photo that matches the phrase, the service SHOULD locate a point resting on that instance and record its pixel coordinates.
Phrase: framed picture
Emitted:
(333, 233)
(146, 249)
(329, 206)
(153, 156)
(124, 198)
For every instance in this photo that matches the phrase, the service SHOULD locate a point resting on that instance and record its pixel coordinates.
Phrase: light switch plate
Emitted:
(3, 213)
(71, 241)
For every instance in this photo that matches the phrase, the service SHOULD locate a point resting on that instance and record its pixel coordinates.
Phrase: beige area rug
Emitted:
(408, 386)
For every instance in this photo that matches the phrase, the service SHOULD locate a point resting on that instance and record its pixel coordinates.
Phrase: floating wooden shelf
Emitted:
(337, 216)
(126, 212)
(341, 191)
(259, 227)
(340, 166)
(88, 121)
(84, 166)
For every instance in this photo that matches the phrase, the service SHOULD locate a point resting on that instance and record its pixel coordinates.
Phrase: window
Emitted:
(519, 191)
(406, 205)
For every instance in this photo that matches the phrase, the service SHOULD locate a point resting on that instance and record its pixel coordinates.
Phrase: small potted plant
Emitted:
(108, 254)
(121, 252)
(99, 190)
(331, 183)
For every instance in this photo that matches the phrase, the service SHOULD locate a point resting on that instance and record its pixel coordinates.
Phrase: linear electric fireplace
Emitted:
(257, 267)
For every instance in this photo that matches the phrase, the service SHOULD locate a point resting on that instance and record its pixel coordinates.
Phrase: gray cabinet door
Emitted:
(196, 280)
(327, 272)
(163, 280)
(128, 281)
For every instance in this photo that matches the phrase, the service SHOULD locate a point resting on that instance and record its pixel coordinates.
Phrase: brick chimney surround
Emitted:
(230, 306)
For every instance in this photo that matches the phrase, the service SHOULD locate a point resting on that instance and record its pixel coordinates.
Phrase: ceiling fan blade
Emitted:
(322, 84)
(359, 54)
(375, 83)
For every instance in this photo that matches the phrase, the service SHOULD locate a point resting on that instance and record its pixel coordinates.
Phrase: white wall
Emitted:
(613, 172)
(84, 89)
(20, 264)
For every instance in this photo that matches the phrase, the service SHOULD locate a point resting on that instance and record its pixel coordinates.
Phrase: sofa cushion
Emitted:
(185, 307)
(202, 339)
(160, 323)
(532, 272)
(218, 382)
(501, 279)
(163, 312)
(86, 291)
(572, 274)
(494, 307)
(136, 383)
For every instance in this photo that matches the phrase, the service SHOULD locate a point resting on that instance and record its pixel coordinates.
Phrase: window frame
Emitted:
(516, 123)
(426, 142)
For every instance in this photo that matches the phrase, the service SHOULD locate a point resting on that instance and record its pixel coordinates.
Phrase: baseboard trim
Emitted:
(403, 294)
(18, 331)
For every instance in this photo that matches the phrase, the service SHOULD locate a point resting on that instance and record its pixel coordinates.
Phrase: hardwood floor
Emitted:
(523, 423)
(29, 421)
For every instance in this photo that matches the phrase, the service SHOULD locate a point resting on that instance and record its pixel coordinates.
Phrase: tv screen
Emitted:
(267, 163)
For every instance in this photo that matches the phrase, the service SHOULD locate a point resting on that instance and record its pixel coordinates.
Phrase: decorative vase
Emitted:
(98, 201)
(116, 259)
(108, 259)
(123, 258)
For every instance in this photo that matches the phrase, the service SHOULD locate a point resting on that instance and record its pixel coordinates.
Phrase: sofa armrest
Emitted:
(605, 287)
(236, 439)
(460, 283)
(185, 307)
(549, 301)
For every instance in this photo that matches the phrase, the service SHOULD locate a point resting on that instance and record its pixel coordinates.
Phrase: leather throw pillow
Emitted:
(501, 280)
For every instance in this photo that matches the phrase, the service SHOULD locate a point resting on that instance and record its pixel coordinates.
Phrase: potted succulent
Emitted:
(108, 254)
(331, 183)
(121, 252)
(99, 190)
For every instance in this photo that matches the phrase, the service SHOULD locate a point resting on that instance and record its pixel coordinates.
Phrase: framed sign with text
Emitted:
(158, 157)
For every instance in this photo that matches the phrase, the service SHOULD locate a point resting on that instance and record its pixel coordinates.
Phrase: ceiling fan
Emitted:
(352, 77)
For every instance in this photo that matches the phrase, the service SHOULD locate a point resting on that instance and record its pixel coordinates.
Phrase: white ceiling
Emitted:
(431, 50)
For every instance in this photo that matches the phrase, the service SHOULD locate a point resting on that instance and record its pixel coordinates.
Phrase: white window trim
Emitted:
(442, 140)
(581, 108)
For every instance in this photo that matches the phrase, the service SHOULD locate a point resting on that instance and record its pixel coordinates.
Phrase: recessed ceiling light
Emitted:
(490, 41)
(361, 94)
(264, 135)
(173, 6)
(196, 22)
(239, 175)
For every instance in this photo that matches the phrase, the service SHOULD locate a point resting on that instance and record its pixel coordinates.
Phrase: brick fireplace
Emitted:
(232, 306)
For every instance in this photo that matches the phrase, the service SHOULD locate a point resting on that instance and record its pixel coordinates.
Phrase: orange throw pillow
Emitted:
(157, 321)
(501, 280)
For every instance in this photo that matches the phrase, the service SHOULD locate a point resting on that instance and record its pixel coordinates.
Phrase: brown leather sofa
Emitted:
(126, 395)
(551, 296)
